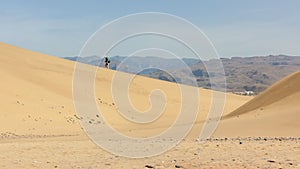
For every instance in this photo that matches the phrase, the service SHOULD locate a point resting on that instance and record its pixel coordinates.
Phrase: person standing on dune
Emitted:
(107, 61)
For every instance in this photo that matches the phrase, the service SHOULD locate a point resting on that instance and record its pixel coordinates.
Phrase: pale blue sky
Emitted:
(236, 27)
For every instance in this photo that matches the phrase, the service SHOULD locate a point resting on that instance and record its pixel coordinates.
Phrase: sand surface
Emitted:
(40, 129)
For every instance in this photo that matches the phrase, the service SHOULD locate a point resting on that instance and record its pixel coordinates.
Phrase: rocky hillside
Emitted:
(242, 73)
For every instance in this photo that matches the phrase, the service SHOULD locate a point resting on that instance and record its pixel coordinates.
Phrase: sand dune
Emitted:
(275, 112)
(39, 127)
(285, 89)
(36, 96)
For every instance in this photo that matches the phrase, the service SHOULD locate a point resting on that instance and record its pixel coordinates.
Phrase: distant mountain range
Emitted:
(242, 73)
(134, 64)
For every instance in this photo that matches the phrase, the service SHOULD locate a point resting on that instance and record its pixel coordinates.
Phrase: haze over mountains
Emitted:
(242, 73)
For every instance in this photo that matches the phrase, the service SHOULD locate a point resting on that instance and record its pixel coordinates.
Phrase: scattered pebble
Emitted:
(149, 166)
(178, 166)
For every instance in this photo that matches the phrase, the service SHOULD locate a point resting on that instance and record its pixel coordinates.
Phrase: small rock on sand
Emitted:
(149, 166)
(178, 166)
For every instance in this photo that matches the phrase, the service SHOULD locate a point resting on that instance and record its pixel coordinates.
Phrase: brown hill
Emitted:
(242, 73)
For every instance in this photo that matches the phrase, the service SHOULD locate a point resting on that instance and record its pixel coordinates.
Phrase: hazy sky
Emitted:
(235, 27)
